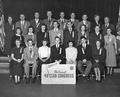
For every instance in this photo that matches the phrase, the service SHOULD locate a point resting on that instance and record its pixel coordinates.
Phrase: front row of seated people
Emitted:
(82, 55)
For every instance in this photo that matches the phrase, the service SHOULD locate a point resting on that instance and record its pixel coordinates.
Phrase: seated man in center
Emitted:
(30, 57)
(57, 51)
(84, 57)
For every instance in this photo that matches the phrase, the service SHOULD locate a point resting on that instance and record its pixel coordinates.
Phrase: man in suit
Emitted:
(36, 22)
(84, 57)
(70, 34)
(74, 20)
(107, 25)
(62, 21)
(23, 24)
(30, 57)
(96, 22)
(96, 35)
(84, 22)
(57, 51)
(49, 20)
(55, 32)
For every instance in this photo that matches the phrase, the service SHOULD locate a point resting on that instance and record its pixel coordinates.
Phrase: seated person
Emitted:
(30, 57)
(84, 57)
(44, 55)
(71, 53)
(57, 51)
(16, 62)
(99, 56)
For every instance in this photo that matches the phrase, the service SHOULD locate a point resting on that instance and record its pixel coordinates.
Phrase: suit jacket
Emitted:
(94, 24)
(62, 23)
(36, 25)
(24, 28)
(27, 54)
(48, 23)
(104, 29)
(53, 34)
(86, 55)
(67, 37)
(57, 53)
(76, 22)
(41, 36)
(88, 25)
(94, 37)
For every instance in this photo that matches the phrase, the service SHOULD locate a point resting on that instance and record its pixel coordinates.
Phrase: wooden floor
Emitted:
(110, 87)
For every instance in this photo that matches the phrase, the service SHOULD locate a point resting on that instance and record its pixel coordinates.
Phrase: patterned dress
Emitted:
(110, 50)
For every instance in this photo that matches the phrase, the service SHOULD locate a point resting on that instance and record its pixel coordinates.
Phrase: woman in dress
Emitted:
(19, 36)
(98, 55)
(9, 32)
(42, 35)
(30, 35)
(17, 61)
(71, 53)
(111, 49)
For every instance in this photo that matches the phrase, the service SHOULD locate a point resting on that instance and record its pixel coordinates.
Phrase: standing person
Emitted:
(62, 21)
(44, 55)
(31, 35)
(42, 35)
(18, 35)
(23, 24)
(55, 32)
(84, 57)
(85, 22)
(17, 61)
(107, 25)
(99, 58)
(49, 20)
(9, 32)
(74, 20)
(71, 53)
(36, 22)
(57, 51)
(83, 32)
(111, 49)
(30, 57)
(70, 34)
(96, 35)
(96, 22)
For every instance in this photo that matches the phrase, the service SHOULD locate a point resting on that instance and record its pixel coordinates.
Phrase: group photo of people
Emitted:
(94, 45)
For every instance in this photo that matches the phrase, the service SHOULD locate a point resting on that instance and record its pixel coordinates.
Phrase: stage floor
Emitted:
(110, 87)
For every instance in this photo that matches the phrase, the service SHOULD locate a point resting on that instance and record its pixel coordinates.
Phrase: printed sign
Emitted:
(58, 73)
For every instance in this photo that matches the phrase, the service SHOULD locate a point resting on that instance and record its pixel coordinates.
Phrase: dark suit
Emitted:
(35, 25)
(104, 29)
(94, 37)
(94, 24)
(57, 53)
(67, 36)
(42, 36)
(86, 55)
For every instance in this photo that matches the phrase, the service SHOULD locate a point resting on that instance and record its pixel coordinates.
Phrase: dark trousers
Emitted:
(87, 69)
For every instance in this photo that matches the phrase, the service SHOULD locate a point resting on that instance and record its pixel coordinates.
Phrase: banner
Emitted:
(58, 74)
(2, 33)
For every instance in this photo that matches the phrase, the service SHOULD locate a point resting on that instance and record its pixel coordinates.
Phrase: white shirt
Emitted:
(71, 53)
(44, 52)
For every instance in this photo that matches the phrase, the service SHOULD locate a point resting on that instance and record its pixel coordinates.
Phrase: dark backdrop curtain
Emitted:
(90, 7)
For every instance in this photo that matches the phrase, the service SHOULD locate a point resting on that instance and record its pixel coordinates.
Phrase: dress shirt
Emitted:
(44, 52)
